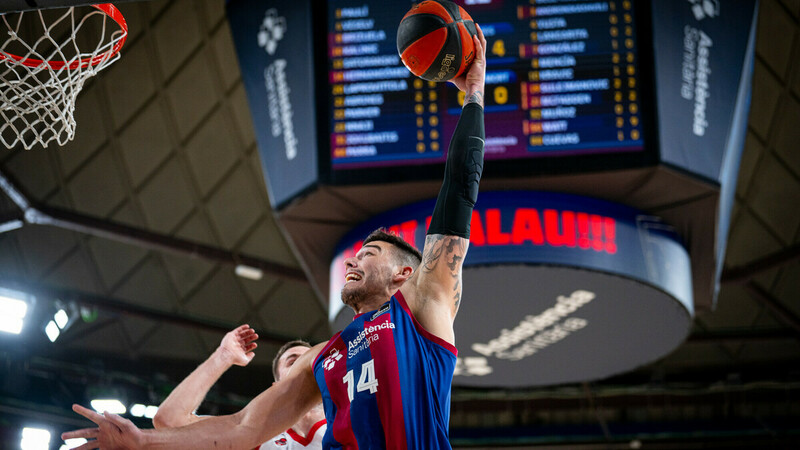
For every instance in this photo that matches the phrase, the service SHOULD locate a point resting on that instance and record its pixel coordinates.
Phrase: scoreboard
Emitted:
(562, 80)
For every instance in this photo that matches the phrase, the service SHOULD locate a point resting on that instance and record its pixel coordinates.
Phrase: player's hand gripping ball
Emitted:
(434, 40)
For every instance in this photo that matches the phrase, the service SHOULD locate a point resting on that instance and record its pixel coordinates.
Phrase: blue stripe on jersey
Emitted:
(327, 403)
(364, 413)
(428, 370)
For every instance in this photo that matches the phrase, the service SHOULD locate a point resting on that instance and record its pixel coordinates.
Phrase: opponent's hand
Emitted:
(237, 346)
(112, 432)
(473, 79)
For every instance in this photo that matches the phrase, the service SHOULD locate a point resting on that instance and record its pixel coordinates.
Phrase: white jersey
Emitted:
(289, 440)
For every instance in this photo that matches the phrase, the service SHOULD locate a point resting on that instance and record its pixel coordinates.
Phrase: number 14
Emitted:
(366, 380)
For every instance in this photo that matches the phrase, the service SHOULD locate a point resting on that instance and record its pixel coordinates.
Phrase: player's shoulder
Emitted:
(317, 350)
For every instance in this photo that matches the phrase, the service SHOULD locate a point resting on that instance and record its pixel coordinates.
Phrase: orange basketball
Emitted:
(434, 40)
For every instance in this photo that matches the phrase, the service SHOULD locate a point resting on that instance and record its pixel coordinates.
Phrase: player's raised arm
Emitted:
(436, 286)
(267, 415)
(178, 409)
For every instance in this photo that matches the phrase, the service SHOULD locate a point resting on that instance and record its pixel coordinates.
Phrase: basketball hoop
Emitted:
(40, 81)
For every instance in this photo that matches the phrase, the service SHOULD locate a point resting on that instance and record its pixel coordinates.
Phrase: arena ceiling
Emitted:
(161, 194)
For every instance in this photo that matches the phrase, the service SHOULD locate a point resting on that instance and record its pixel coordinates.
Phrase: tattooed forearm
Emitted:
(475, 97)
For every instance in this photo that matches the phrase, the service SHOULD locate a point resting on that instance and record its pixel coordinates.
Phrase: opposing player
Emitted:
(385, 379)
(237, 348)
(307, 432)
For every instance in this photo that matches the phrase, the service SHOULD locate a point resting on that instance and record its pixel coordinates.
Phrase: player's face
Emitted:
(288, 359)
(368, 273)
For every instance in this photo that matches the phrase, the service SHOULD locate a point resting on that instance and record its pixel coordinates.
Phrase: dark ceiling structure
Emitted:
(139, 223)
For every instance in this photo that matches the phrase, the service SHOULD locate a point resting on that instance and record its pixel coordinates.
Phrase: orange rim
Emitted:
(112, 12)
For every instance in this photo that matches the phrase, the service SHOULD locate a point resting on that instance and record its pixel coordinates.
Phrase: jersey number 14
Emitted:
(366, 381)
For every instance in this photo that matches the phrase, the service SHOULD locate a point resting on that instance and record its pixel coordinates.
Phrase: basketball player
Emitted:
(237, 348)
(385, 379)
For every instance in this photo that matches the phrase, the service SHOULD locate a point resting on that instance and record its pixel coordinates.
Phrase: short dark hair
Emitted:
(284, 349)
(408, 253)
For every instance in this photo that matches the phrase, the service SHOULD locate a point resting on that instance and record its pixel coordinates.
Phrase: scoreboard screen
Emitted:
(562, 79)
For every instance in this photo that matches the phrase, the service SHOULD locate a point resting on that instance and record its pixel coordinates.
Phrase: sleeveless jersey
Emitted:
(385, 383)
(289, 440)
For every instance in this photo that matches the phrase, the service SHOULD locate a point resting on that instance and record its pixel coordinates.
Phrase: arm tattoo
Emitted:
(457, 296)
(431, 258)
(475, 97)
(455, 263)
(449, 250)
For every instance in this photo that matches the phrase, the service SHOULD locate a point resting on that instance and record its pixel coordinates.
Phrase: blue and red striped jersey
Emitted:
(385, 383)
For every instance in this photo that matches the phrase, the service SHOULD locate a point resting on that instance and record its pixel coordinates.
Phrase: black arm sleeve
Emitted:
(462, 173)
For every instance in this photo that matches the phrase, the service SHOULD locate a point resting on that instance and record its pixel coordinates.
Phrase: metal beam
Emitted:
(783, 313)
(38, 412)
(597, 414)
(9, 222)
(741, 336)
(136, 236)
(13, 192)
(122, 307)
(744, 273)
(70, 220)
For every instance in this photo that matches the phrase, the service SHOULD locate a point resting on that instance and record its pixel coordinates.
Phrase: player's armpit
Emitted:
(434, 291)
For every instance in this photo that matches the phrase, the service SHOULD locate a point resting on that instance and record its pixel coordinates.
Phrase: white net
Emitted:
(41, 76)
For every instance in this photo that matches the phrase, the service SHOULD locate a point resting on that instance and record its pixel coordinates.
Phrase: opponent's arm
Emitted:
(267, 415)
(434, 292)
(178, 409)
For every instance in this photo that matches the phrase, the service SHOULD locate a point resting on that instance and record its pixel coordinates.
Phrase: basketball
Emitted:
(434, 40)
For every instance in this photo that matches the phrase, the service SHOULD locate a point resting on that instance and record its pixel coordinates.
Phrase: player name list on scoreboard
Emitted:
(580, 90)
(562, 78)
(380, 112)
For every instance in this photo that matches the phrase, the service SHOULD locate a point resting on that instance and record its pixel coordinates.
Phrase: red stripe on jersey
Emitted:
(334, 375)
(425, 333)
(389, 396)
(304, 441)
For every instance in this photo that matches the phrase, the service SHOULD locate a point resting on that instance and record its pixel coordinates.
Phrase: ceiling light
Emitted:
(35, 439)
(61, 318)
(251, 273)
(12, 310)
(113, 406)
(52, 331)
(138, 410)
(12, 303)
(11, 325)
(150, 411)
(72, 443)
